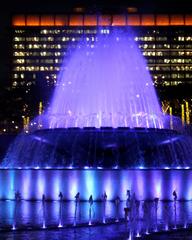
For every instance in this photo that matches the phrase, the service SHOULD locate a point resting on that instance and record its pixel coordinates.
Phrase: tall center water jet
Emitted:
(105, 83)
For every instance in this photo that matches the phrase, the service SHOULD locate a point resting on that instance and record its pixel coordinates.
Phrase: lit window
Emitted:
(44, 31)
(15, 75)
(15, 84)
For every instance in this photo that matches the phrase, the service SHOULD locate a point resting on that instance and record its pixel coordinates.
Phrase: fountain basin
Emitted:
(103, 147)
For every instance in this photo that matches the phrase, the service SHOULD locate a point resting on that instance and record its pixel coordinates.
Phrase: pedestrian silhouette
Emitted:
(60, 196)
(77, 197)
(43, 198)
(91, 200)
(174, 195)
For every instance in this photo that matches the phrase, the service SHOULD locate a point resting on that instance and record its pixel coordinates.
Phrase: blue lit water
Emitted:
(29, 220)
(30, 213)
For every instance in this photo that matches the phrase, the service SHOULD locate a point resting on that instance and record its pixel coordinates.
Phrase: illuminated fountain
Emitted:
(103, 126)
(105, 85)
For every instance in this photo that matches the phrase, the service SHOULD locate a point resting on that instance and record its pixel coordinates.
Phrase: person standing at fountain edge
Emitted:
(174, 195)
(60, 196)
(91, 200)
(128, 195)
(105, 196)
(77, 197)
(77, 203)
(43, 198)
(90, 209)
(127, 209)
(104, 199)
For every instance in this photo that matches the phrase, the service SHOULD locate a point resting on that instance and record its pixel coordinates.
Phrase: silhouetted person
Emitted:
(174, 195)
(43, 198)
(128, 195)
(104, 197)
(91, 200)
(127, 209)
(60, 196)
(77, 207)
(77, 197)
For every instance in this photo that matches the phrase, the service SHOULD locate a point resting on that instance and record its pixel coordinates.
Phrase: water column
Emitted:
(43, 211)
(104, 200)
(156, 201)
(138, 227)
(60, 209)
(77, 202)
(146, 216)
(166, 217)
(133, 217)
(17, 199)
(90, 209)
(175, 208)
(117, 202)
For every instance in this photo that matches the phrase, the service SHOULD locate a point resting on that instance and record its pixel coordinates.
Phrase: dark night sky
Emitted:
(63, 5)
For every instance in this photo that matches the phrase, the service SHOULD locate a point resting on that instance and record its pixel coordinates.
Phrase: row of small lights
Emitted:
(87, 167)
(138, 234)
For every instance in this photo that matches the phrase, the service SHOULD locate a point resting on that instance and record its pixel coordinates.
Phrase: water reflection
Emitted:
(34, 213)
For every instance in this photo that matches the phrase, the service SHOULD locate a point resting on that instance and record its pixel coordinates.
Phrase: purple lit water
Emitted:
(105, 83)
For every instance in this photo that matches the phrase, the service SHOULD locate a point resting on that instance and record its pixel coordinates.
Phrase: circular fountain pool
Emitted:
(114, 148)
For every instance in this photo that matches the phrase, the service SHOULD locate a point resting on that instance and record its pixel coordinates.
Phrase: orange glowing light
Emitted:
(104, 20)
(90, 20)
(79, 9)
(76, 20)
(188, 20)
(162, 20)
(133, 20)
(131, 10)
(33, 20)
(176, 20)
(61, 20)
(18, 20)
(47, 20)
(119, 20)
(148, 20)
